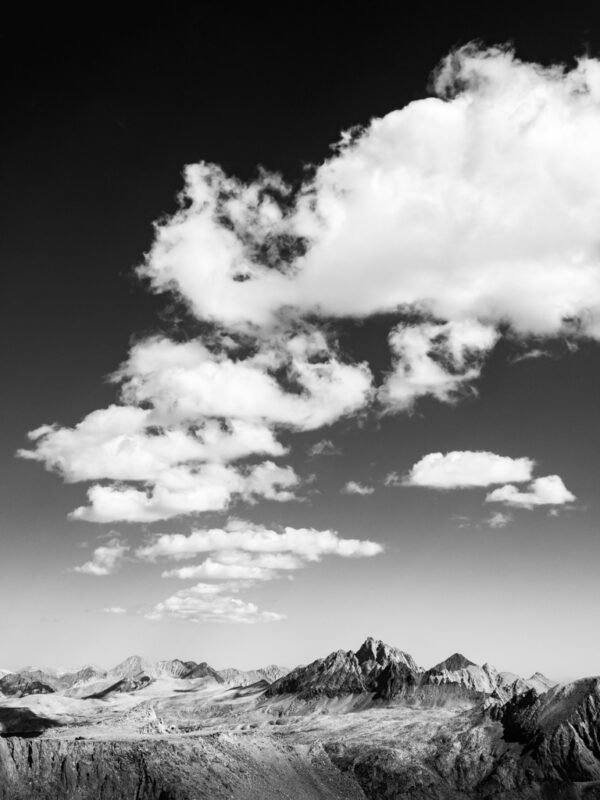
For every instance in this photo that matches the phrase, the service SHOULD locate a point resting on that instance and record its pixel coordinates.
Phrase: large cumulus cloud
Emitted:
(479, 203)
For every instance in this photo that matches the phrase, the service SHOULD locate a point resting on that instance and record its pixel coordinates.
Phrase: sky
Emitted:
(300, 338)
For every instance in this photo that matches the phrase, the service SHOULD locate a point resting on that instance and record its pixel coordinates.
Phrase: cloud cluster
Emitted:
(237, 557)
(462, 469)
(106, 559)
(190, 415)
(462, 214)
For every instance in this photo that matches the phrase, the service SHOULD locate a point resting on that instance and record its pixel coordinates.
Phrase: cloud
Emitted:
(533, 354)
(187, 381)
(113, 610)
(189, 411)
(437, 360)
(105, 560)
(121, 443)
(463, 469)
(238, 566)
(498, 519)
(353, 487)
(546, 491)
(393, 479)
(479, 203)
(185, 490)
(307, 544)
(205, 603)
(238, 557)
(324, 447)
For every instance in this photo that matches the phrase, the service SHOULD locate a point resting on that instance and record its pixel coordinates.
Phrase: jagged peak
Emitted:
(453, 663)
(376, 650)
(369, 649)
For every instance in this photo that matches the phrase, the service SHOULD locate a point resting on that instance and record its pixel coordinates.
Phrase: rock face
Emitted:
(216, 767)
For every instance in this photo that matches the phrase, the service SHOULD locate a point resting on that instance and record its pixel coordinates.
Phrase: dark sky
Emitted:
(101, 113)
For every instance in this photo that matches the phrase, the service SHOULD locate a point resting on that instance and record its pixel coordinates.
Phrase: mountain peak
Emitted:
(453, 663)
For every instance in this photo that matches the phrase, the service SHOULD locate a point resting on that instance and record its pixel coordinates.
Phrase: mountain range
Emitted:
(369, 723)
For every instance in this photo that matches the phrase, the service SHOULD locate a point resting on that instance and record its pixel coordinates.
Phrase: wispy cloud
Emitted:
(206, 603)
(498, 519)
(324, 447)
(354, 487)
(105, 559)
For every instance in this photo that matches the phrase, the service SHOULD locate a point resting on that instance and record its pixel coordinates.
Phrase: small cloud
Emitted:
(463, 469)
(393, 479)
(113, 610)
(353, 487)
(105, 560)
(547, 491)
(441, 360)
(462, 521)
(531, 354)
(498, 519)
(325, 447)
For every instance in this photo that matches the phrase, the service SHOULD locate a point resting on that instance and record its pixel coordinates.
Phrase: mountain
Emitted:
(240, 677)
(459, 671)
(19, 685)
(202, 670)
(132, 667)
(540, 683)
(387, 673)
(376, 668)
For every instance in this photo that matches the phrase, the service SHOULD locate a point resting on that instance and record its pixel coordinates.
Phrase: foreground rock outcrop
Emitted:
(178, 768)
